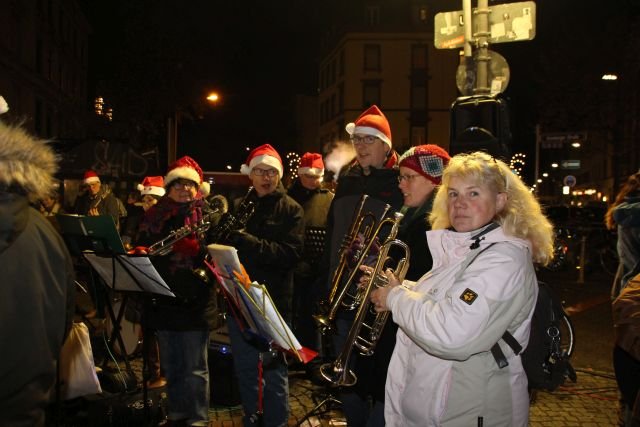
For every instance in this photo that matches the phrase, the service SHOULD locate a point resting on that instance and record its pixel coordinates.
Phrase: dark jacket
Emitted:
(36, 309)
(413, 232)
(627, 216)
(194, 307)
(381, 185)
(315, 204)
(105, 201)
(271, 244)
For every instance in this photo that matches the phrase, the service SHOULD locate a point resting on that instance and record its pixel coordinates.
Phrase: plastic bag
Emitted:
(77, 368)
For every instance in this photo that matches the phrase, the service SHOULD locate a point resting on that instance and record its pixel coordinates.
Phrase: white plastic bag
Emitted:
(77, 368)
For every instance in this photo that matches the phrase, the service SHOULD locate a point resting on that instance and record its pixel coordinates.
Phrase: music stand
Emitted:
(96, 239)
(255, 305)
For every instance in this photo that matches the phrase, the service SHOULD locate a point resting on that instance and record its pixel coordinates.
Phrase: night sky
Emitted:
(149, 58)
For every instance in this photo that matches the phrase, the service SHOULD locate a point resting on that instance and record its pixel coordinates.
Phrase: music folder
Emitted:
(254, 302)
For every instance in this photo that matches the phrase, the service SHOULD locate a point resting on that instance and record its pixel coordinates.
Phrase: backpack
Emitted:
(546, 364)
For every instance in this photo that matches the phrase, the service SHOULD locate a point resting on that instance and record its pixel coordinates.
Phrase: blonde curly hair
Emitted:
(522, 215)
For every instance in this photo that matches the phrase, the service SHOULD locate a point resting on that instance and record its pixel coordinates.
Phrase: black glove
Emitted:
(239, 238)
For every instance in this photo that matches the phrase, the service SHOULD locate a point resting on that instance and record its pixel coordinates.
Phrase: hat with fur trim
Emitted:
(153, 185)
(26, 162)
(184, 168)
(371, 122)
(428, 160)
(262, 155)
(90, 177)
(311, 164)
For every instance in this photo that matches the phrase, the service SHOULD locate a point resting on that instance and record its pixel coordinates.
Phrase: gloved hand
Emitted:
(189, 246)
(240, 238)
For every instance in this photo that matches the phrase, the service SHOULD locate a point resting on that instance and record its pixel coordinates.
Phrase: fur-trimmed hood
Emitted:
(26, 162)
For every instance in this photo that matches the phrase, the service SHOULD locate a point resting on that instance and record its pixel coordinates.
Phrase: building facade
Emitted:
(385, 56)
(44, 65)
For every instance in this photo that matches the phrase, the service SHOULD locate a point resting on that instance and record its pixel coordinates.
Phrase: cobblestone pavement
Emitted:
(592, 401)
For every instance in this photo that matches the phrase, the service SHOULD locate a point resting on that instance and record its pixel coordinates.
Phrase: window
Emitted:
(371, 57)
(370, 93)
(418, 98)
(419, 56)
(373, 15)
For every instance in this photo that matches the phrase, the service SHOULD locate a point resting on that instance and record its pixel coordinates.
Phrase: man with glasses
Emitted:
(268, 247)
(373, 172)
(98, 199)
(182, 323)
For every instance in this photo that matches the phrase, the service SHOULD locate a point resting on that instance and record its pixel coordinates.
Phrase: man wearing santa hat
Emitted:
(268, 247)
(98, 199)
(308, 191)
(182, 323)
(373, 172)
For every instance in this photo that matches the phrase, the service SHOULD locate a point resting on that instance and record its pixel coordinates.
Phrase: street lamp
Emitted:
(172, 127)
(213, 97)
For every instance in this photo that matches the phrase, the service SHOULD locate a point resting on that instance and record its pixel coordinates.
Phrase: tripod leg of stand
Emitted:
(321, 408)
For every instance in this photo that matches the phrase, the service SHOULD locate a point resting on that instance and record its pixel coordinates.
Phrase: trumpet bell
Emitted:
(338, 376)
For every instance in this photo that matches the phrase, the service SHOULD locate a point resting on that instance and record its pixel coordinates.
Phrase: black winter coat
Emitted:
(194, 307)
(271, 244)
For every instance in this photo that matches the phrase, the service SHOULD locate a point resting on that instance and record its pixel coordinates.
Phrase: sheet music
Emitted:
(134, 274)
(252, 299)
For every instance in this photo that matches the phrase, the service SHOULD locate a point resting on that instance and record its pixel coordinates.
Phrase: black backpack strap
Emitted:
(497, 353)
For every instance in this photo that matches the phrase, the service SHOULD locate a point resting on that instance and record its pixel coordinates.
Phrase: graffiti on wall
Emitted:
(107, 158)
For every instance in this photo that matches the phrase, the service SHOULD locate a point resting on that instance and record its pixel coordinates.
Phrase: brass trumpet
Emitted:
(337, 372)
(363, 226)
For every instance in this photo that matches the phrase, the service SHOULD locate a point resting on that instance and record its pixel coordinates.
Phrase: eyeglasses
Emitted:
(269, 172)
(184, 184)
(366, 139)
(407, 178)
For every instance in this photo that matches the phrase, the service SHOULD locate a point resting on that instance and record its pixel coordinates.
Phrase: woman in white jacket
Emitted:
(442, 372)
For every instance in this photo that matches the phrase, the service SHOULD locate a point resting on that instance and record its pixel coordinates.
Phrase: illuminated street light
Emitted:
(545, 174)
(609, 77)
(554, 165)
(213, 97)
(575, 145)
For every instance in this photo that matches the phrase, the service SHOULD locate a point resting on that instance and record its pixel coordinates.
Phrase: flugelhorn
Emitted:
(165, 246)
(364, 335)
(364, 227)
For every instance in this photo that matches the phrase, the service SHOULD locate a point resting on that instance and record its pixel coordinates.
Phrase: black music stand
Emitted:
(97, 240)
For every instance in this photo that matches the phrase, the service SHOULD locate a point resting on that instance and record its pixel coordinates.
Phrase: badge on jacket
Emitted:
(468, 296)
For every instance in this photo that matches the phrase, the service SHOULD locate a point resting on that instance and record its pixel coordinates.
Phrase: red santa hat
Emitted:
(90, 177)
(262, 155)
(428, 160)
(371, 122)
(184, 168)
(311, 164)
(153, 185)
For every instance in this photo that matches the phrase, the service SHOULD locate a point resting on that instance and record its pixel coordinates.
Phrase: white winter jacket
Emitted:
(442, 372)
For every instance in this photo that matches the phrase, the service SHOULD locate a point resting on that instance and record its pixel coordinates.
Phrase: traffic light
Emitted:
(480, 123)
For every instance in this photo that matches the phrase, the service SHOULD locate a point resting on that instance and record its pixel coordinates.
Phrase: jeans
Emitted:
(184, 362)
(275, 381)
